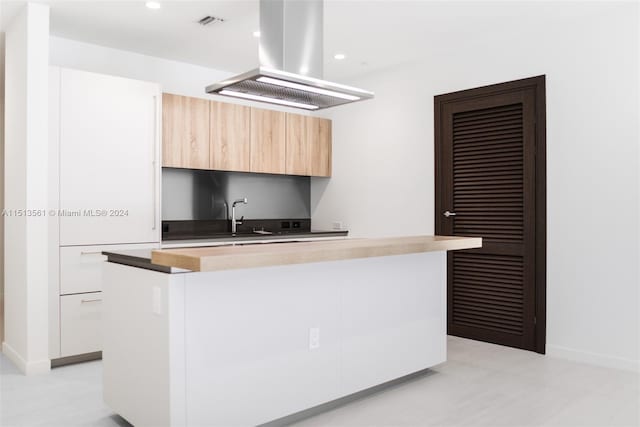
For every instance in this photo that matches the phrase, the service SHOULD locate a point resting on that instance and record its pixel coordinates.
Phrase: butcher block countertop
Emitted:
(239, 256)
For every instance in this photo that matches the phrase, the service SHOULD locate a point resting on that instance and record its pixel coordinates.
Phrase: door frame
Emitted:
(538, 83)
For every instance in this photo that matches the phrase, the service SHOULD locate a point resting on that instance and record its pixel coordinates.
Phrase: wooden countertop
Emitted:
(268, 254)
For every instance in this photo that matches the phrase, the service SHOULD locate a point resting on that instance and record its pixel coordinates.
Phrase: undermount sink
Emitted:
(262, 232)
(258, 242)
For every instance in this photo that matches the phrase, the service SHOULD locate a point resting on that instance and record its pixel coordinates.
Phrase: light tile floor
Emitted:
(488, 385)
(481, 385)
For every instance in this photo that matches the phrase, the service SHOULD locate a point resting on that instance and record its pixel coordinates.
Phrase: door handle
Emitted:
(448, 214)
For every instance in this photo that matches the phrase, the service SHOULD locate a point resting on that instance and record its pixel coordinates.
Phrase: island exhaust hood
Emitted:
(290, 56)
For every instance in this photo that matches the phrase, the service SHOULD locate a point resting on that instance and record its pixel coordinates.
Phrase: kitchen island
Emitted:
(248, 334)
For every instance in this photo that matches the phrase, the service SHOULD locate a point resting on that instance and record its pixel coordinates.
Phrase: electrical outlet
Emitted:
(337, 225)
(314, 338)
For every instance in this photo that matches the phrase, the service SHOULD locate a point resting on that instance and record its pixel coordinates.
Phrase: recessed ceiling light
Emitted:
(339, 56)
(153, 5)
(304, 69)
(256, 34)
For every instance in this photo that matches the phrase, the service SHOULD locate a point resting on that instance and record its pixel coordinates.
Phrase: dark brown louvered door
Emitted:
(486, 187)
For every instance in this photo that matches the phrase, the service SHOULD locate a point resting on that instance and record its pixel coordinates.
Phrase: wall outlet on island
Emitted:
(314, 338)
(337, 225)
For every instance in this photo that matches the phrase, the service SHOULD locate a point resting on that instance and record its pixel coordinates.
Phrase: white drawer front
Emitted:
(80, 323)
(81, 266)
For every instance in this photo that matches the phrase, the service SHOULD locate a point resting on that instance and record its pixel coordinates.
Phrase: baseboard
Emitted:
(604, 360)
(27, 368)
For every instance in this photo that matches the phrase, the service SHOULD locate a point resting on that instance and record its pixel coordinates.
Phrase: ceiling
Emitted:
(374, 34)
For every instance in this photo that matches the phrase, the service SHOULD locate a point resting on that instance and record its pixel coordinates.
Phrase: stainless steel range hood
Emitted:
(290, 55)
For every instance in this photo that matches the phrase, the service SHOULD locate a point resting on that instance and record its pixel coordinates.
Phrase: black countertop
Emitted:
(215, 229)
(140, 258)
(250, 236)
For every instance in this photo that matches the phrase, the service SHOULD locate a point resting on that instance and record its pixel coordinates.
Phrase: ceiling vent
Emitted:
(210, 20)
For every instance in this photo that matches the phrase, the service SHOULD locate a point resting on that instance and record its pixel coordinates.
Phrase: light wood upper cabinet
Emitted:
(319, 146)
(202, 134)
(268, 145)
(308, 146)
(298, 154)
(229, 135)
(185, 132)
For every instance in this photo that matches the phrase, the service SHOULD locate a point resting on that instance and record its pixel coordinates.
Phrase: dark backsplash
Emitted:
(200, 195)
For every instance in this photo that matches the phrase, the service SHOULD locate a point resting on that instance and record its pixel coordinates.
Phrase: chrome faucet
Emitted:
(234, 223)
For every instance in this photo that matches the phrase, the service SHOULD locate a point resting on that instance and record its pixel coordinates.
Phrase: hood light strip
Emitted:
(267, 99)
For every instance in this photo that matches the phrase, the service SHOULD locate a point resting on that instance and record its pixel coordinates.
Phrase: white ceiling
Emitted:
(374, 34)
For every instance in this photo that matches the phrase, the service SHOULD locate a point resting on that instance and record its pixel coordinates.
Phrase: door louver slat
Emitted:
(492, 112)
(490, 144)
(505, 121)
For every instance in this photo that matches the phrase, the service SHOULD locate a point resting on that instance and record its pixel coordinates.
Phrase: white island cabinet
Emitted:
(245, 335)
(104, 175)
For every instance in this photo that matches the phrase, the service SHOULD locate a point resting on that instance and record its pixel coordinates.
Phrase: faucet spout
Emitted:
(234, 222)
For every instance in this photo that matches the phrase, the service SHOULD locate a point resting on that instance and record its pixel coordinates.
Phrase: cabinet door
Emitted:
(81, 266)
(229, 135)
(185, 132)
(298, 153)
(109, 173)
(80, 328)
(319, 146)
(267, 141)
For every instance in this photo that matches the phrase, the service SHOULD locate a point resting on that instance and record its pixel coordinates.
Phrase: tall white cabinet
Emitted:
(104, 187)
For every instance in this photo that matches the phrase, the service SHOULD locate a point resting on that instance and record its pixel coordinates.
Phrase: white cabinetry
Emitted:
(109, 149)
(80, 328)
(104, 182)
(81, 266)
(249, 332)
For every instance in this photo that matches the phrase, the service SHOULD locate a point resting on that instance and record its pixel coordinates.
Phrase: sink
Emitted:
(263, 232)
(269, 242)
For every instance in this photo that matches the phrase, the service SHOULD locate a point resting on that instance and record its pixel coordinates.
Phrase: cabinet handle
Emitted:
(92, 253)
(153, 163)
(84, 301)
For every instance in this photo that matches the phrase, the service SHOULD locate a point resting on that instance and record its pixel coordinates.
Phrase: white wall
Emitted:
(26, 275)
(2, 37)
(175, 77)
(383, 177)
